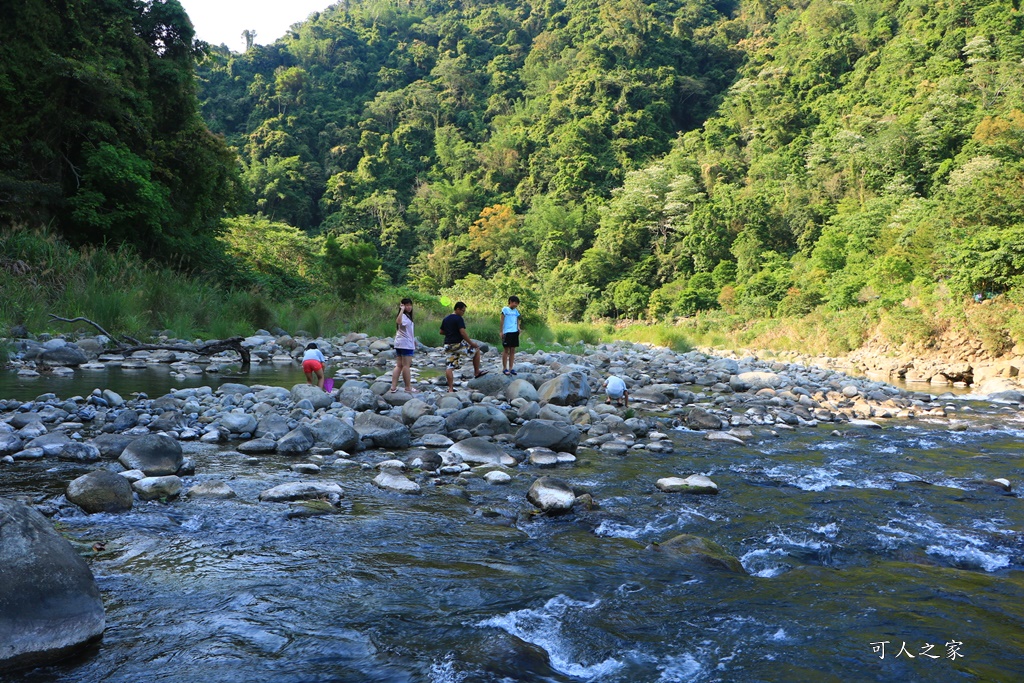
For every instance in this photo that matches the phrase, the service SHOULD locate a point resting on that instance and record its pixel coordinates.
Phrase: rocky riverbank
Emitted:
(127, 451)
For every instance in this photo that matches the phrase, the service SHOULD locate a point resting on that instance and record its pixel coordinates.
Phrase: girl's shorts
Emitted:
(404, 352)
(312, 365)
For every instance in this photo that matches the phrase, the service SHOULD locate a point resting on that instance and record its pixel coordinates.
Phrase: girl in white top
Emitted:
(313, 364)
(405, 347)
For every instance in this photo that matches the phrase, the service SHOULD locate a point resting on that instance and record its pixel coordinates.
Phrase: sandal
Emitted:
(393, 391)
(480, 374)
(506, 373)
(512, 372)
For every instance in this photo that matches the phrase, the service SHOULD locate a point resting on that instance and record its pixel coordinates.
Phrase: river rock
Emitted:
(430, 425)
(698, 418)
(79, 452)
(482, 420)
(490, 384)
(216, 490)
(723, 436)
(558, 436)
(498, 478)
(113, 398)
(154, 454)
(542, 458)
(297, 441)
(393, 480)
(414, 409)
(272, 427)
(301, 490)
(551, 495)
(100, 491)
(565, 390)
(232, 388)
(238, 422)
(52, 444)
(10, 443)
(383, 431)
(315, 395)
(69, 354)
(49, 602)
(521, 388)
(699, 553)
(358, 398)
(124, 421)
(153, 488)
(695, 483)
(555, 413)
(257, 446)
(478, 451)
(336, 434)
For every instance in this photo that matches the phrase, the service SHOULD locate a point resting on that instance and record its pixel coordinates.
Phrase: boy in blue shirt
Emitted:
(510, 328)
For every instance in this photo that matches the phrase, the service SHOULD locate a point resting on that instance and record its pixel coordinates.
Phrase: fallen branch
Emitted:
(206, 349)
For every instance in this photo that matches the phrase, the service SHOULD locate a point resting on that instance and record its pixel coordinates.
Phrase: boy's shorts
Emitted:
(454, 353)
(510, 340)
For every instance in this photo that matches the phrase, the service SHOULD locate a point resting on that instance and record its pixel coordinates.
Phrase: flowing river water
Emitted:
(873, 555)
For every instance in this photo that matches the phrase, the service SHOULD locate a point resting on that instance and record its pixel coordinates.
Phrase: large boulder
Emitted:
(69, 354)
(393, 480)
(238, 422)
(272, 426)
(698, 418)
(154, 454)
(49, 602)
(565, 390)
(315, 395)
(112, 445)
(79, 452)
(753, 381)
(429, 424)
(551, 495)
(695, 483)
(479, 451)
(414, 409)
(152, 488)
(558, 436)
(10, 443)
(521, 388)
(382, 431)
(490, 384)
(358, 398)
(484, 420)
(698, 553)
(297, 441)
(100, 491)
(301, 490)
(336, 434)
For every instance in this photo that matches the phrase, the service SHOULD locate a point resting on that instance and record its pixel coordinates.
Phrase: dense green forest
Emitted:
(738, 160)
(643, 158)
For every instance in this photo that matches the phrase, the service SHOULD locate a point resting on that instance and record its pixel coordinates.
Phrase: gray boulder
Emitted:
(358, 398)
(565, 390)
(383, 431)
(490, 384)
(50, 605)
(238, 423)
(100, 491)
(126, 419)
(315, 395)
(10, 443)
(393, 480)
(301, 490)
(257, 446)
(699, 554)
(152, 488)
(216, 490)
(52, 444)
(154, 454)
(69, 354)
(551, 495)
(272, 426)
(297, 441)
(429, 424)
(112, 445)
(492, 420)
(232, 388)
(695, 483)
(79, 452)
(478, 451)
(336, 434)
(698, 418)
(414, 409)
(558, 436)
(521, 388)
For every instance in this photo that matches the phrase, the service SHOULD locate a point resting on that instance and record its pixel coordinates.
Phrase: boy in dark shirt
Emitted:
(457, 343)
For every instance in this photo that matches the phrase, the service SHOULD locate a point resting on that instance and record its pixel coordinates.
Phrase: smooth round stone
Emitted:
(497, 478)
(725, 437)
(542, 459)
(695, 483)
(615, 448)
(152, 488)
(305, 468)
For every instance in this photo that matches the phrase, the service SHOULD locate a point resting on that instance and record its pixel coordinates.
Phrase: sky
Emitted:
(222, 21)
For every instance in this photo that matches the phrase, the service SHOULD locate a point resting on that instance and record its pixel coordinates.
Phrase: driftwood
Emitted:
(206, 349)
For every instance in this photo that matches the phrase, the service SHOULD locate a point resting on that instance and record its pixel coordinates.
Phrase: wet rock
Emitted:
(124, 420)
(542, 457)
(257, 446)
(216, 490)
(425, 460)
(305, 468)
(478, 451)
(698, 418)
(10, 443)
(695, 483)
(565, 390)
(551, 495)
(79, 452)
(866, 424)
(558, 436)
(481, 420)
(297, 441)
(100, 491)
(272, 427)
(336, 434)
(725, 437)
(301, 490)
(112, 398)
(238, 422)
(393, 480)
(154, 454)
(52, 444)
(497, 478)
(154, 488)
(699, 553)
(68, 354)
(315, 395)
(50, 605)
(383, 431)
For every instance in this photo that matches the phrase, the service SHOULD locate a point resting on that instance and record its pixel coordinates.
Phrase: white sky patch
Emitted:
(222, 21)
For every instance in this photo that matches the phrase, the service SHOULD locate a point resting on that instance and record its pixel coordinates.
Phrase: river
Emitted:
(874, 555)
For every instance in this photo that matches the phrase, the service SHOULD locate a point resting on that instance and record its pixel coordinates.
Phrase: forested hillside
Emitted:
(100, 132)
(647, 158)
